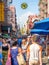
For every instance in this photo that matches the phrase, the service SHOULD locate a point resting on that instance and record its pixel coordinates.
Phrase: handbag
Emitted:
(8, 62)
(20, 59)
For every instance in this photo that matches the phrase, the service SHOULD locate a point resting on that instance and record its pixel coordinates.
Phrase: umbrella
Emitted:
(43, 24)
(39, 31)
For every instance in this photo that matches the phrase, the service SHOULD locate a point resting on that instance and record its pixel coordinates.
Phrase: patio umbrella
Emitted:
(43, 24)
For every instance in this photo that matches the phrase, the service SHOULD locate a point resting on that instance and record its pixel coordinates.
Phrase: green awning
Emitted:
(6, 36)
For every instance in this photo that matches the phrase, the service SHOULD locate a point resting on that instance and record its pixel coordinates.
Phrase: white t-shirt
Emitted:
(34, 52)
(24, 47)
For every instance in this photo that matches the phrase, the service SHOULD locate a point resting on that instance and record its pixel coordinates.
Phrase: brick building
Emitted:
(12, 17)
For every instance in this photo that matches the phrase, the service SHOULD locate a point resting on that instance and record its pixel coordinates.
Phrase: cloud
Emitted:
(23, 18)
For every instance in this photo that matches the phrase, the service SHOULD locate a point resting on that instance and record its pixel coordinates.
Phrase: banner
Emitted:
(1, 12)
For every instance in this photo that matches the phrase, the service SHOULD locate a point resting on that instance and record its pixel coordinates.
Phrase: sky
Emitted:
(22, 14)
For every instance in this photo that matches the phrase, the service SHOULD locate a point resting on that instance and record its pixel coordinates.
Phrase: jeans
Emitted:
(24, 55)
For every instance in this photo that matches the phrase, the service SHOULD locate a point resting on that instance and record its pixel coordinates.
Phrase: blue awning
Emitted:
(43, 24)
(39, 31)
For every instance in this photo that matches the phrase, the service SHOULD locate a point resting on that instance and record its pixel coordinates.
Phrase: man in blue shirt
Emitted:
(19, 42)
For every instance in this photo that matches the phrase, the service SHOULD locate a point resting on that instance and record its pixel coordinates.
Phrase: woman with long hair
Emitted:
(5, 50)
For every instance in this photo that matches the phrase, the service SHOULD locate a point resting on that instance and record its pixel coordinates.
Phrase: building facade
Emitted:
(6, 4)
(12, 17)
(31, 20)
(1, 13)
(4, 13)
(48, 8)
(43, 9)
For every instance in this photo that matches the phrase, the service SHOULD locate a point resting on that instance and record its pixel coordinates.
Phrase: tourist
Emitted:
(5, 50)
(34, 52)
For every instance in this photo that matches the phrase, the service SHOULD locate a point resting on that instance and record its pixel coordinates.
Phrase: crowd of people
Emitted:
(21, 51)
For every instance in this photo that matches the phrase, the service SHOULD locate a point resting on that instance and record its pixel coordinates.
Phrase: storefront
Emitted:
(6, 29)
